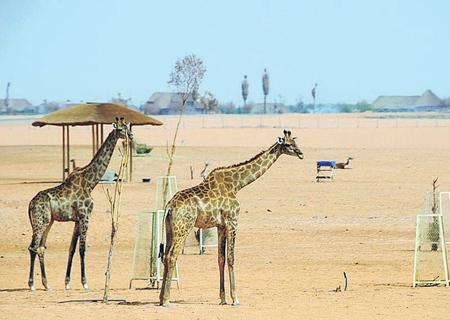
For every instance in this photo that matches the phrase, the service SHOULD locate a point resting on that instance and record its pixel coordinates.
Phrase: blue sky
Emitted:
(91, 50)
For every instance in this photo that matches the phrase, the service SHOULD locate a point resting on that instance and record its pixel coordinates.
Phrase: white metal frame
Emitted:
(447, 216)
(172, 189)
(202, 246)
(156, 228)
(443, 249)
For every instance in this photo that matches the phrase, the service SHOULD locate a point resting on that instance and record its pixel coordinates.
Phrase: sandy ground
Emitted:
(296, 236)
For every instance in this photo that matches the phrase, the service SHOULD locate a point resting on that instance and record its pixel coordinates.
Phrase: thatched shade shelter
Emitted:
(94, 115)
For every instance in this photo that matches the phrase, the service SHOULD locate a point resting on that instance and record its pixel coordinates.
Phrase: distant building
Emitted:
(428, 101)
(16, 106)
(170, 103)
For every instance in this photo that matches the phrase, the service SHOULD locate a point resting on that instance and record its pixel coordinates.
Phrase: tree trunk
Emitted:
(109, 266)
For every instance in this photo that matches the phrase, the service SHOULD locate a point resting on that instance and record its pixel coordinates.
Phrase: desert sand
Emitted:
(296, 237)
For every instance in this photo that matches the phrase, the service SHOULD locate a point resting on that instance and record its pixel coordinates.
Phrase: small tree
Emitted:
(433, 231)
(114, 202)
(209, 102)
(186, 77)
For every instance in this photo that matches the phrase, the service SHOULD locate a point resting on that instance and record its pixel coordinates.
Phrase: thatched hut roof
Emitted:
(95, 113)
(394, 101)
(429, 99)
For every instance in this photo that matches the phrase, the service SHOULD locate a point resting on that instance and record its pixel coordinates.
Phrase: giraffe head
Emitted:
(289, 146)
(122, 129)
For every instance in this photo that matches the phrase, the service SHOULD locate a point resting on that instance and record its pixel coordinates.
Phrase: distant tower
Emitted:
(265, 85)
(244, 89)
(313, 93)
(7, 95)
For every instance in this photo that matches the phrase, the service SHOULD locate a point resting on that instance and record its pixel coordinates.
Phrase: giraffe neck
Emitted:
(245, 173)
(95, 170)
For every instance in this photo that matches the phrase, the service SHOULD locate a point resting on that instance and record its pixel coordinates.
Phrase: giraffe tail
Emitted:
(161, 245)
(161, 251)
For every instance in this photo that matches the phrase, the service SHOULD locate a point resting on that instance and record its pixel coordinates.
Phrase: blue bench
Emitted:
(325, 169)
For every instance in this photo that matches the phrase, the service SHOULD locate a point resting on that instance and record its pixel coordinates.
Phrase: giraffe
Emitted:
(70, 201)
(213, 203)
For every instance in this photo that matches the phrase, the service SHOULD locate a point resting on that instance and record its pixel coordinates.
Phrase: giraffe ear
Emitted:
(285, 132)
(280, 140)
(289, 133)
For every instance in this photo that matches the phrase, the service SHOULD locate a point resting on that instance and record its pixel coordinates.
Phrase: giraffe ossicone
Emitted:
(70, 201)
(213, 203)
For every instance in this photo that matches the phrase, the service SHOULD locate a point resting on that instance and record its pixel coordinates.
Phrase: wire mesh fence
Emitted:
(430, 260)
(298, 120)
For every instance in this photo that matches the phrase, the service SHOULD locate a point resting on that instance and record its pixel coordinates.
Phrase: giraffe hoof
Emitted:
(236, 303)
(85, 286)
(165, 304)
(32, 288)
(223, 303)
(48, 289)
(67, 287)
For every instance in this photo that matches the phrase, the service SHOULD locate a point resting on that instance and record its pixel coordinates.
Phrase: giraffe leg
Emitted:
(174, 244)
(169, 267)
(34, 245)
(41, 255)
(231, 236)
(83, 234)
(73, 245)
(221, 231)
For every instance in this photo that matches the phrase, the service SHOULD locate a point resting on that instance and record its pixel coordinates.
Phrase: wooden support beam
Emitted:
(63, 153)
(68, 151)
(130, 149)
(93, 141)
(97, 146)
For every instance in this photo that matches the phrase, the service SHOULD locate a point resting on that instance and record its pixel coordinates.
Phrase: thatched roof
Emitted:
(394, 101)
(95, 113)
(429, 99)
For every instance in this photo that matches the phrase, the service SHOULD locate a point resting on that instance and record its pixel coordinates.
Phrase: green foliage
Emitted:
(346, 108)
(142, 148)
(363, 106)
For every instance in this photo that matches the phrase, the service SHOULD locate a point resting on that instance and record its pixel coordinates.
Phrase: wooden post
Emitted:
(93, 141)
(68, 151)
(63, 153)
(97, 146)
(101, 133)
(130, 150)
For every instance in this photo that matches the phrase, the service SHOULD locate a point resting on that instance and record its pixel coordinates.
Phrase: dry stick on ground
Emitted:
(114, 202)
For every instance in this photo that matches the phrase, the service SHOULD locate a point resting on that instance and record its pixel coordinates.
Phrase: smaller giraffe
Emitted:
(342, 165)
(70, 201)
(213, 203)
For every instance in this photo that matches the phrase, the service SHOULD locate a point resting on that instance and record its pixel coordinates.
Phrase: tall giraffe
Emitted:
(213, 203)
(70, 201)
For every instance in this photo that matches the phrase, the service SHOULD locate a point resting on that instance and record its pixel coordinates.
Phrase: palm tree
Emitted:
(265, 85)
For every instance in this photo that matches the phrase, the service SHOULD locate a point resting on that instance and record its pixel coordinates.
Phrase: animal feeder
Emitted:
(325, 170)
